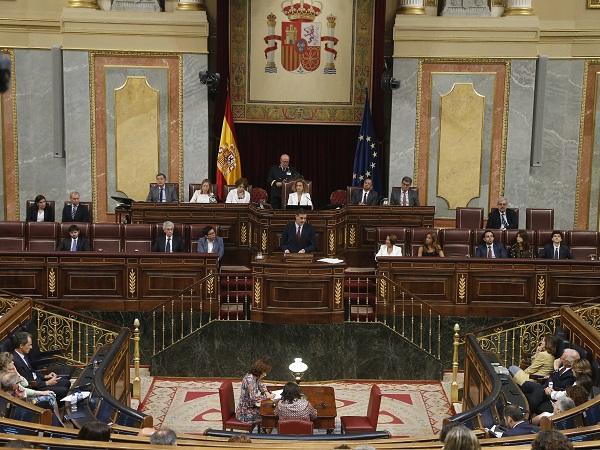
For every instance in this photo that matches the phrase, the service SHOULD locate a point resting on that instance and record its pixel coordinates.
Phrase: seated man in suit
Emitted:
(365, 196)
(298, 236)
(74, 243)
(515, 422)
(161, 192)
(540, 396)
(406, 196)
(555, 249)
(52, 382)
(488, 249)
(167, 242)
(75, 212)
(210, 242)
(502, 217)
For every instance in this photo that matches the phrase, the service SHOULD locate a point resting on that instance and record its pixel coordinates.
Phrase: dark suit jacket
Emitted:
(277, 174)
(81, 214)
(171, 194)
(307, 238)
(160, 243)
(413, 198)
(27, 371)
(218, 246)
(32, 214)
(499, 251)
(83, 245)
(511, 217)
(561, 382)
(372, 197)
(521, 429)
(564, 252)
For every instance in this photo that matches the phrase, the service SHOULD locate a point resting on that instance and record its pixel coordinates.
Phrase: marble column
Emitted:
(190, 5)
(93, 4)
(413, 7)
(518, 8)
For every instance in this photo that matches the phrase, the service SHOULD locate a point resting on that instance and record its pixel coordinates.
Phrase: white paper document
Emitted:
(331, 260)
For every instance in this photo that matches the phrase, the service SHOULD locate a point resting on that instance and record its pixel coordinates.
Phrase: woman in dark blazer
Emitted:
(34, 214)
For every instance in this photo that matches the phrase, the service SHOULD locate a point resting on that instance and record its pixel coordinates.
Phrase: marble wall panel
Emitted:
(77, 124)
(39, 170)
(554, 183)
(116, 77)
(403, 122)
(195, 121)
(520, 125)
(442, 84)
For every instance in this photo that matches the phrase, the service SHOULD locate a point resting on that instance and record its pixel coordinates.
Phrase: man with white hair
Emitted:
(167, 242)
(540, 396)
(502, 217)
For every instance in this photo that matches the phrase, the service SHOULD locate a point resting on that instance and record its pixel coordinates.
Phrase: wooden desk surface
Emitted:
(321, 397)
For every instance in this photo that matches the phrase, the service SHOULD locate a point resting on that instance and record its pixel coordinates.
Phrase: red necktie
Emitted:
(489, 253)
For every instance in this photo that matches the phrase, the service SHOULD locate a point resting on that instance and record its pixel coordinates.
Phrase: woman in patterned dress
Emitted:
(292, 406)
(253, 391)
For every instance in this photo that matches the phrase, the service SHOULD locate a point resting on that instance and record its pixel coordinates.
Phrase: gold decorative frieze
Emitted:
(257, 292)
(52, 288)
(593, 4)
(132, 283)
(540, 291)
(190, 5)
(337, 294)
(90, 4)
(461, 294)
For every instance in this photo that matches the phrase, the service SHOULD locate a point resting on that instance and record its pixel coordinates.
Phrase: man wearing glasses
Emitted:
(503, 218)
(406, 196)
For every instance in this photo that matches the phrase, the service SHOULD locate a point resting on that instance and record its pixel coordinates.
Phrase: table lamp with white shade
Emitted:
(298, 368)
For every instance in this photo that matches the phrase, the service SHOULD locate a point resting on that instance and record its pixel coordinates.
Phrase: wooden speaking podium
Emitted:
(297, 289)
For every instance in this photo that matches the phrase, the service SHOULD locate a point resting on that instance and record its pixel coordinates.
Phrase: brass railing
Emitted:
(517, 340)
(186, 313)
(77, 335)
(413, 318)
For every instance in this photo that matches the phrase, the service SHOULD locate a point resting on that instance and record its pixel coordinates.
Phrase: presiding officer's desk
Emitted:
(322, 398)
(289, 291)
(246, 229)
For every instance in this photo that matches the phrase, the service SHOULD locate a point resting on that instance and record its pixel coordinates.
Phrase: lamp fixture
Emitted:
(298, 368)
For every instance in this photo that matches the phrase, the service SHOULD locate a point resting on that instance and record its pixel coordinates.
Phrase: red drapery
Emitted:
(322, 153)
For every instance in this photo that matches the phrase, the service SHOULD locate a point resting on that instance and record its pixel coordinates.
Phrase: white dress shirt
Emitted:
(233, 197)
(198, 197)
(304, 200)
(209, 245)
(383, 251)
(40, 215)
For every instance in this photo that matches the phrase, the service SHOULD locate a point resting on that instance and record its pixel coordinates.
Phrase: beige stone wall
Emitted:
(47, 23)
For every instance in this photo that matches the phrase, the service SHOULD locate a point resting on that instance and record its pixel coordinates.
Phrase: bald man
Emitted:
(279, 175)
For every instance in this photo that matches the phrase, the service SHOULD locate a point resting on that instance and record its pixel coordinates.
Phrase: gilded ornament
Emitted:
(132, 282)
(541, 290)
(338, 292)
(257, 292)
(352, 239)
(593, 4)
(263, 243)
(462, 288)
(243, 233)
(210, 285)
(52, 281)
(331, 241)
(382, 288)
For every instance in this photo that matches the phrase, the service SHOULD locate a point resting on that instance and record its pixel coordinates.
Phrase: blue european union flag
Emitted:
(367, 159)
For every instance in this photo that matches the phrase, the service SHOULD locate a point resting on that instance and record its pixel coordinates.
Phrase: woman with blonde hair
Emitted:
(204, 194)
(300, 197)
(461, 438)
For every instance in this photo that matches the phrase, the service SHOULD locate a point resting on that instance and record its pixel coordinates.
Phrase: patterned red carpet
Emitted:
(407, 408)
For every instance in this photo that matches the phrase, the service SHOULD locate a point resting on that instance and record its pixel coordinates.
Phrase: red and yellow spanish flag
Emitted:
(229, 165)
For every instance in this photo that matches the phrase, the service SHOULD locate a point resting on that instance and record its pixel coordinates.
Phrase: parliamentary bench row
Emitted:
(461, 242)
(106, 237)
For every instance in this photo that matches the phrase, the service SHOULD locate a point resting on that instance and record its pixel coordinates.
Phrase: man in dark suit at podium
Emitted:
(279, 175)
(298, 236)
